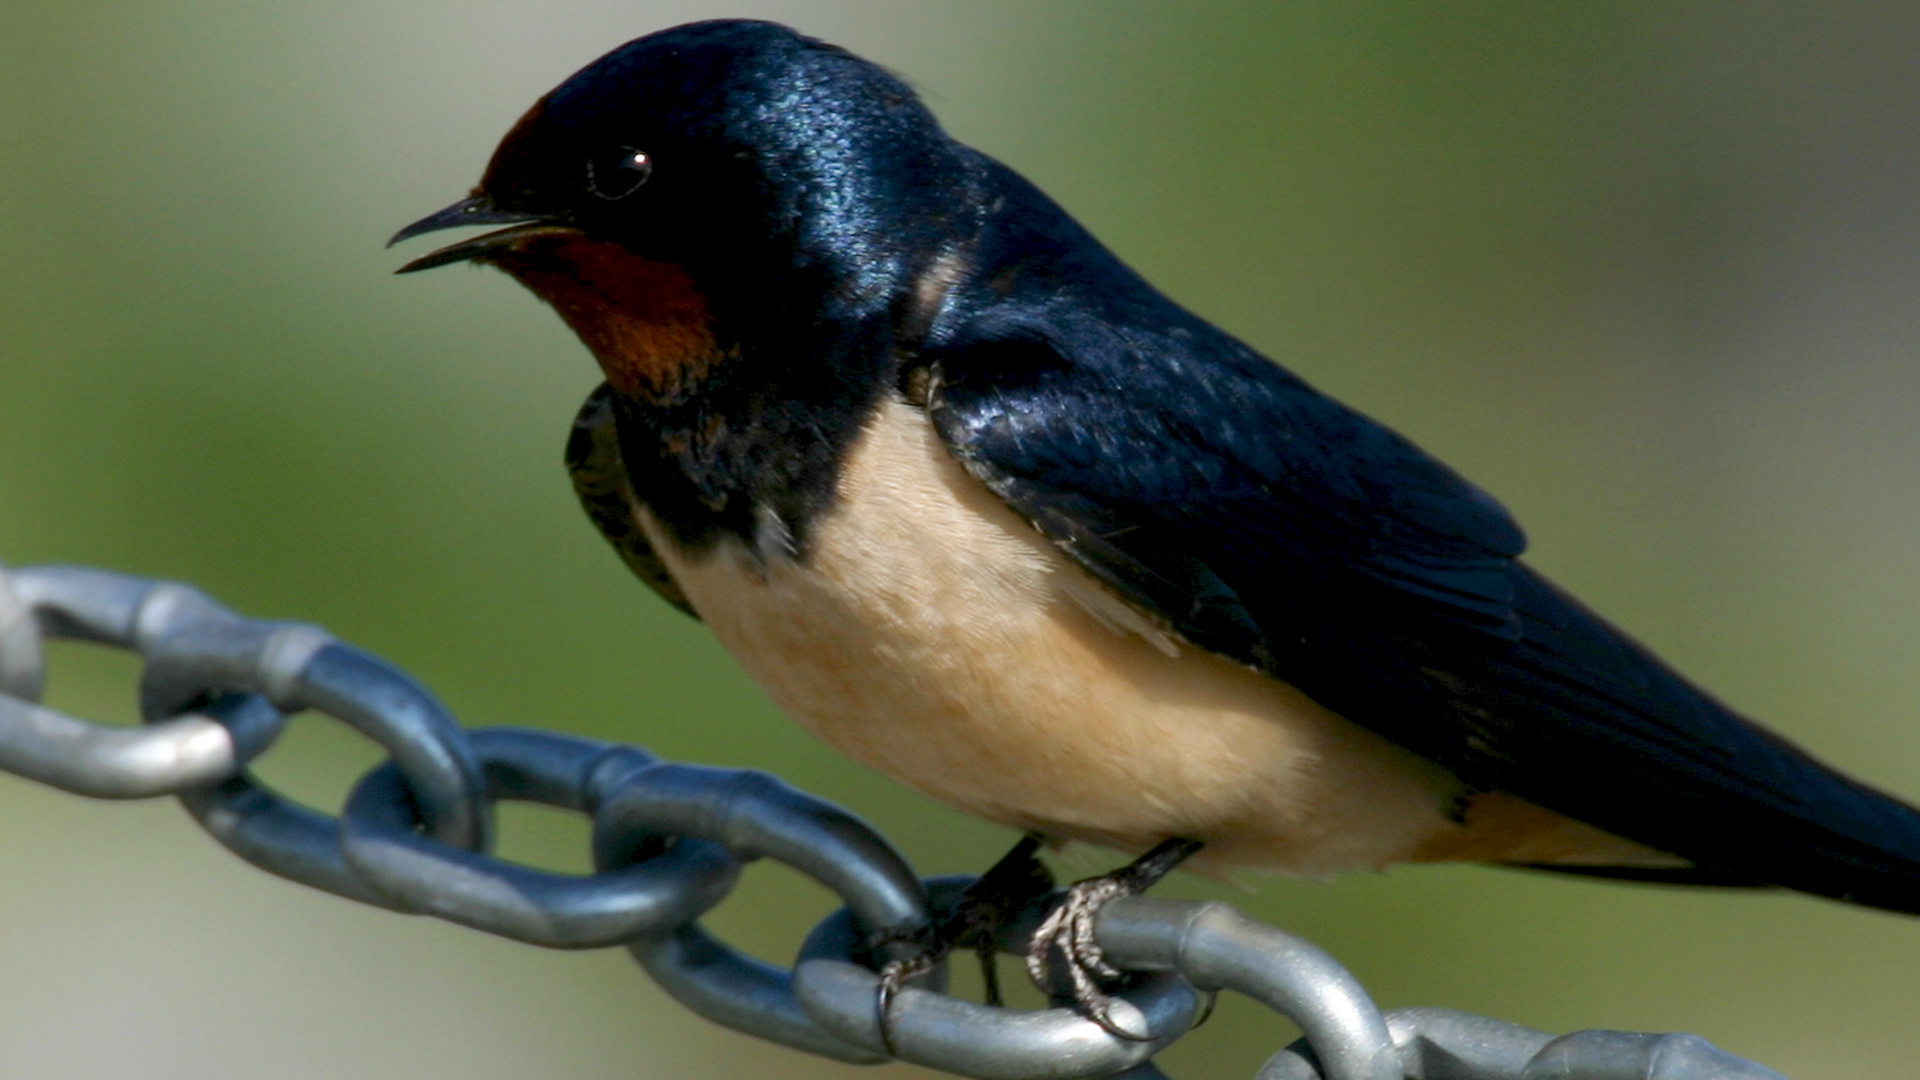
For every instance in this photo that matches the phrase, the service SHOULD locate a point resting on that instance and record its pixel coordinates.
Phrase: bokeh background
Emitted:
(1648, 273)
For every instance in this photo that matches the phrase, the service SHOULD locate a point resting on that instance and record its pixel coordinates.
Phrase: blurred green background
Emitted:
(1648, 273)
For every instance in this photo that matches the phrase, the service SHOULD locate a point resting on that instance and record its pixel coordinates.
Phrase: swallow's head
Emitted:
(739, 165)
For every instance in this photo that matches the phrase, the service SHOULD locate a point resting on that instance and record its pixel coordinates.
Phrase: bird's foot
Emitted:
(1067, 932)
(975, 923)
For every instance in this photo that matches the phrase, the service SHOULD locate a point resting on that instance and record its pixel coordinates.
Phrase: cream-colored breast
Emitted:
(932, 634)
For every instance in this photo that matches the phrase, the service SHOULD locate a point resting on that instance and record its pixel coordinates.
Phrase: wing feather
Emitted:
(600, 480)
(1270, 524)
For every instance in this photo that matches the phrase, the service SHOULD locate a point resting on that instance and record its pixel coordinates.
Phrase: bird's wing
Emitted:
(1270, 524)
(600, 480)
(1215, 491)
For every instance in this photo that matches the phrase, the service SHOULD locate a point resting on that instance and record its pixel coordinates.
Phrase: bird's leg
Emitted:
(987, 906)
(1068, 929)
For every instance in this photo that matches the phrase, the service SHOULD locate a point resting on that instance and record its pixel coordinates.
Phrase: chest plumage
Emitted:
(931, 634)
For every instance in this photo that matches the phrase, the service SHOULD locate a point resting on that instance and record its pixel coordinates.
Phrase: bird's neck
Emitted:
(733, 420)
(646, 323)
(754, 451)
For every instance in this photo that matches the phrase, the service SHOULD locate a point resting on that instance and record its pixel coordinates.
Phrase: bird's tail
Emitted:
(1581, 719)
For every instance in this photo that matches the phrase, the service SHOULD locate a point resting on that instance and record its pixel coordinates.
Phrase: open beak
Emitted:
(478, 210)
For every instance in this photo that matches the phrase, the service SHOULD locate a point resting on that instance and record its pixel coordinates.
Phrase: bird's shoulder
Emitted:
(1193, 475)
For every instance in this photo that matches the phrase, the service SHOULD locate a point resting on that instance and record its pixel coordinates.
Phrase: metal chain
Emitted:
(669, 841)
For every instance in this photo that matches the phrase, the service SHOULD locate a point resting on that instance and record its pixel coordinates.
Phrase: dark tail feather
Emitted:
(1580, 719)
(1654, 875)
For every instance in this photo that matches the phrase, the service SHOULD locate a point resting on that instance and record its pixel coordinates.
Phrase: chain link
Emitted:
(669, 842)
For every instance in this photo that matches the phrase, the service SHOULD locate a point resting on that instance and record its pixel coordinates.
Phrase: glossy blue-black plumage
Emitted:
(797, 182)
(847, 248)
(1266, 522)
(801, 189)
(1069, 382)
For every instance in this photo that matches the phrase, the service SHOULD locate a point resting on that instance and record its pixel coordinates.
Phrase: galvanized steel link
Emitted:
(669, 842)
(942, 1032)
(179, 750)
(381, 839)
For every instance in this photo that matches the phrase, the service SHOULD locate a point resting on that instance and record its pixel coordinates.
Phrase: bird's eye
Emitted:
(619, 174)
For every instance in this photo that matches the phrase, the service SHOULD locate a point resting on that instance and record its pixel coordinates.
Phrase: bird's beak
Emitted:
(478, 210)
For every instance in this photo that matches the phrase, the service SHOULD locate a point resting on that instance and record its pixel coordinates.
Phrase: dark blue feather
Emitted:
(1267, 522)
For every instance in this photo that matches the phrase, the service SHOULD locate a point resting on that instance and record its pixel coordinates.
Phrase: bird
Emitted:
(981, 508)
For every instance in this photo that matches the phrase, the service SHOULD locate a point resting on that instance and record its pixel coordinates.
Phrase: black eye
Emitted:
(619, 174)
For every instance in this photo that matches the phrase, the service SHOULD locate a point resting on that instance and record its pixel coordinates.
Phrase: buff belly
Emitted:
(933, 635)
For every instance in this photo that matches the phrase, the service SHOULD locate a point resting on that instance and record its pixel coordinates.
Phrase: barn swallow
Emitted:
(979, 507)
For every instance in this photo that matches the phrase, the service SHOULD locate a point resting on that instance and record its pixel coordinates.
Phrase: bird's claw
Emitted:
(990, 904)
(1067, 932)
(975, 923)
(896, 974)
